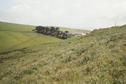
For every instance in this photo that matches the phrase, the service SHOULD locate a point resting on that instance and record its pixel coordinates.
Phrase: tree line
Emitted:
(53, 31)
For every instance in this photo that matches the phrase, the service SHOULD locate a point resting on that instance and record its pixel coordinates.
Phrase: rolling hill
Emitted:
(30, 58)
(16, 36)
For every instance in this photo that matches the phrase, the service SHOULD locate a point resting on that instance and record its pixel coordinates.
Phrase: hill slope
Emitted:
(14, 36)
(97, 58)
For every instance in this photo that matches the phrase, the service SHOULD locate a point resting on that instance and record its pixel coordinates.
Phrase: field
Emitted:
(30, 58)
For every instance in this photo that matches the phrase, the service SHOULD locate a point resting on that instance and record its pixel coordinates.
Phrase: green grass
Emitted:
(13, 36)
(97, 58)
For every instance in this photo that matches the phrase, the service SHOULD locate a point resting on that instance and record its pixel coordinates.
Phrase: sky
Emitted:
(81, 14)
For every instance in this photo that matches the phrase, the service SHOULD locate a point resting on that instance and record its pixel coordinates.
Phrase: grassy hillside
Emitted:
(15, 36)
(97, 58)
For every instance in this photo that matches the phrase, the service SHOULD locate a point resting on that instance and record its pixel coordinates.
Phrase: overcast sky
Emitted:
(83, 14)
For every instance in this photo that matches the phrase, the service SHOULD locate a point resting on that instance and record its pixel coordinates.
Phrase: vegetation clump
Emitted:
(53, 31)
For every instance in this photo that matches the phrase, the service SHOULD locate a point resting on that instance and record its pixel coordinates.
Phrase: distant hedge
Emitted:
(53, 31)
